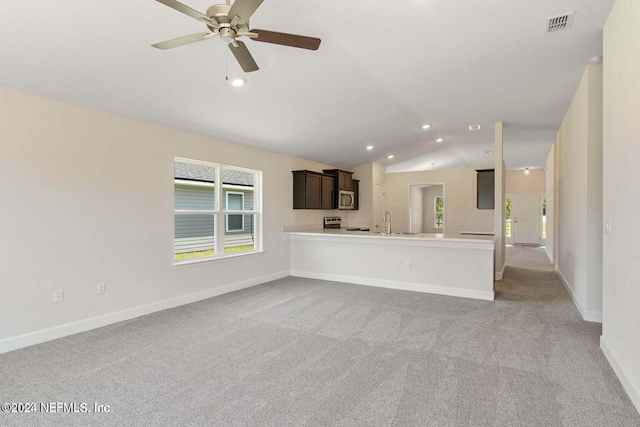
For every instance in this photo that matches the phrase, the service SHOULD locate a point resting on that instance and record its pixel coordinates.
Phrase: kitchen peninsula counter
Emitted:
(452, 265)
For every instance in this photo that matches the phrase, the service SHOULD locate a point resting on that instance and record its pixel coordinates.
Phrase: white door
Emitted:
(526, 218)
(378, 214)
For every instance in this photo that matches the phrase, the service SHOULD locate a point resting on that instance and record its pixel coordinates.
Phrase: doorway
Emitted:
(427, 208)
(524, 219)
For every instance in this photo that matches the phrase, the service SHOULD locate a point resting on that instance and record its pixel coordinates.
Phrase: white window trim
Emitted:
(219, 212)
(435, 212)
(228, 215)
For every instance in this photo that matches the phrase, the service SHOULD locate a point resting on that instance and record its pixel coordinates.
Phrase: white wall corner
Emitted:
(632, 390)
(551, 260)
(44, 335)
(500, 273)
(589, 316)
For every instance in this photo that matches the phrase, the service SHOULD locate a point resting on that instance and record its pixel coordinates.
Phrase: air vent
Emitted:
(559, 23)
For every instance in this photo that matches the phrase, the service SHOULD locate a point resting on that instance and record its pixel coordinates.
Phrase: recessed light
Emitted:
(474, 127)
(488, 152)
(426, 126)
(390, 156)
(237, 82)
(439, 139)
(369, 147)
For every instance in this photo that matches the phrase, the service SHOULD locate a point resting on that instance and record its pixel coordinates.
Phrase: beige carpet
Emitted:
(305, 352)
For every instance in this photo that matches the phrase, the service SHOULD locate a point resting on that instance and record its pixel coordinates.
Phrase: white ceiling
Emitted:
(382, 71)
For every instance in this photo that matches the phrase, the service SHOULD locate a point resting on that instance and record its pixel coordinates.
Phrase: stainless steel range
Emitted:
(332, 221)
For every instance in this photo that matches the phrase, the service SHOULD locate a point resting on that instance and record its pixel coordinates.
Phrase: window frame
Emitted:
(436, 213)
(221, 210)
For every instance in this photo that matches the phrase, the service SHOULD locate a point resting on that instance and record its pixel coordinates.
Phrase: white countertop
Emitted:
(337, 233)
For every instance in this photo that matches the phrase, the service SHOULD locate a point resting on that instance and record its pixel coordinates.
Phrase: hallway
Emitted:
(556, 344)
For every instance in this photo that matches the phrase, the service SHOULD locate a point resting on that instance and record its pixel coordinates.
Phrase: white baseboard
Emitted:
(551, 260)
(632, 391)
(37, 337)
(589, 316)
(416, 287)
(500, 274)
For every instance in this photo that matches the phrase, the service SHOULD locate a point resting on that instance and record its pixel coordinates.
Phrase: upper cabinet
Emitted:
(315, 190)
(344, 178)
(486, 188)
(356, 189)
(328, 191)
(312, 190)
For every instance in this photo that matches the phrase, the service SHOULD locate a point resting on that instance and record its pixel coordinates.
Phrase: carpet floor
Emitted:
(300, 352)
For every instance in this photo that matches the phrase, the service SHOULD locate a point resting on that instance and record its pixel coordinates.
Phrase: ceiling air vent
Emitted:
(559, 23)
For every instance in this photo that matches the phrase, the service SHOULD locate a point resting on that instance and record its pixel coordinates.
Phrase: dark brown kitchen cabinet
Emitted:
(486, 188)
(312, 190)
(328, 186)
(355, 187)
(345, 179)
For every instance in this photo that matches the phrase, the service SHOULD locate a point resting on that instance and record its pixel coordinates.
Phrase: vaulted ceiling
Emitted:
(382, 71)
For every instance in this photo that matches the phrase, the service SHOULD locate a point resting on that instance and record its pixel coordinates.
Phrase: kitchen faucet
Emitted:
(387, 222)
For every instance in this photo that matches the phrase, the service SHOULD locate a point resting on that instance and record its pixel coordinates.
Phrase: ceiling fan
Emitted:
(230, 22)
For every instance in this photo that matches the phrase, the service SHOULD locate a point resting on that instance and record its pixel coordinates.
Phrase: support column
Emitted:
(499, 228)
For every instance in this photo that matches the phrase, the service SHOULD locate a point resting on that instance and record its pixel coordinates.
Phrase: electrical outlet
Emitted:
(58, 296)
(102, 288)
(407, 265)
(450, 218)
(607, 227)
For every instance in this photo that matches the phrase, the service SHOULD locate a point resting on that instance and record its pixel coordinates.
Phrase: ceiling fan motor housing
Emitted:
(219, 13)
(227, 34)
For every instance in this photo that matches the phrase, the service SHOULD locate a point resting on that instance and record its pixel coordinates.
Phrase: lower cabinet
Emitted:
(312, 190)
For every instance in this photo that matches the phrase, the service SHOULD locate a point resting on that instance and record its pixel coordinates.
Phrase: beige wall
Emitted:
(550, 194)
(579, 209)
(460, 199)
(87, 197)
(519, 183)
(368, 174)
(621, 249)
(416, 215)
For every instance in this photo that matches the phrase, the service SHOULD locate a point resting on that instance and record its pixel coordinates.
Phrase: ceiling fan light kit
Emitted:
(237, 82)
(229, 22)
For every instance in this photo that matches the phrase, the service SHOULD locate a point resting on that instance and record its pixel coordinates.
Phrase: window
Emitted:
(438, 210)
(204, 210)
(508, 218)
(235, 202)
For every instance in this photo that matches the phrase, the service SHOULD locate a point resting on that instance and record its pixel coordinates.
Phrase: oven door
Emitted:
(346, 199)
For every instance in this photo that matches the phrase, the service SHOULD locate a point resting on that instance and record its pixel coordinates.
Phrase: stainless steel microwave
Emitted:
(346, 199)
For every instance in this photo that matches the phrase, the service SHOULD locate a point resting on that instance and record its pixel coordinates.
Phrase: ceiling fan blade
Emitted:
(243, 56)
(284, 39)
(181, 41)
(186, 10)
(243, 9)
